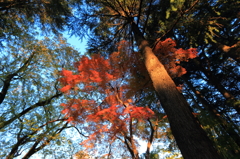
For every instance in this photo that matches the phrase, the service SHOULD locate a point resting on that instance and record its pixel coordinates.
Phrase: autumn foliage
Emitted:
(171, 56)
(108, 89)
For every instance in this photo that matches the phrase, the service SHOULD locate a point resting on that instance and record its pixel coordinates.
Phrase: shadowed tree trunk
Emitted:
(190, 137)
(227, 126)
(231, 101)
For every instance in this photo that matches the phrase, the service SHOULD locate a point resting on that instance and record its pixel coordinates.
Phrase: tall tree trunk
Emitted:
(190, 137)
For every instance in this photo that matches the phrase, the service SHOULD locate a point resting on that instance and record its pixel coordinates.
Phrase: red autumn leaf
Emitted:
(64, 111)
(66, 73)
(177, 71)
(65, 88)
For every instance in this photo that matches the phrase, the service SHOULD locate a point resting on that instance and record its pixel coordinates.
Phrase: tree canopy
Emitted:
(30, 97)
(155, 71)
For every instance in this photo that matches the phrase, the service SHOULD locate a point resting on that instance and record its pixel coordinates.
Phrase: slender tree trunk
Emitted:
(34, 149)
(190, 137)
(150, 140)
(231, 101)
(131, 140)
(128, 146)
(228, 127)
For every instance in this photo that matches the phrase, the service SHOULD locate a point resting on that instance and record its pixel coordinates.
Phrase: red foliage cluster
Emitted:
(94, 70)
(116, 80)
(107, 77)
(171, 56)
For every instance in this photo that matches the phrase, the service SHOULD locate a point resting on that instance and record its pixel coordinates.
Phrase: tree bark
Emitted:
(190, 137)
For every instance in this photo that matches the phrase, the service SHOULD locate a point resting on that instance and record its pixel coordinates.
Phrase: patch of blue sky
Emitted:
(79, 44)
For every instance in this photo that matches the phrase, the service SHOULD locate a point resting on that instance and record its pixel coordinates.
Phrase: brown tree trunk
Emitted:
(190, 137)
(150, 140)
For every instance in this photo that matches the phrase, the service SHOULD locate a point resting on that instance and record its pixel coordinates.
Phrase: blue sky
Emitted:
(78, 44)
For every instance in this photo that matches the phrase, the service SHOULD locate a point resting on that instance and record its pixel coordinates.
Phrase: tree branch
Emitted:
(175, 23)
(40, 103)
(8, 79)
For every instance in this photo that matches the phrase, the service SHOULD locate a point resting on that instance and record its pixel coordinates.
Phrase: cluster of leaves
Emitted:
(110, 108)
(108, 93)
(109, 88)
(171, 57)
(211, 84)
(51, 15)
(30, 120)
